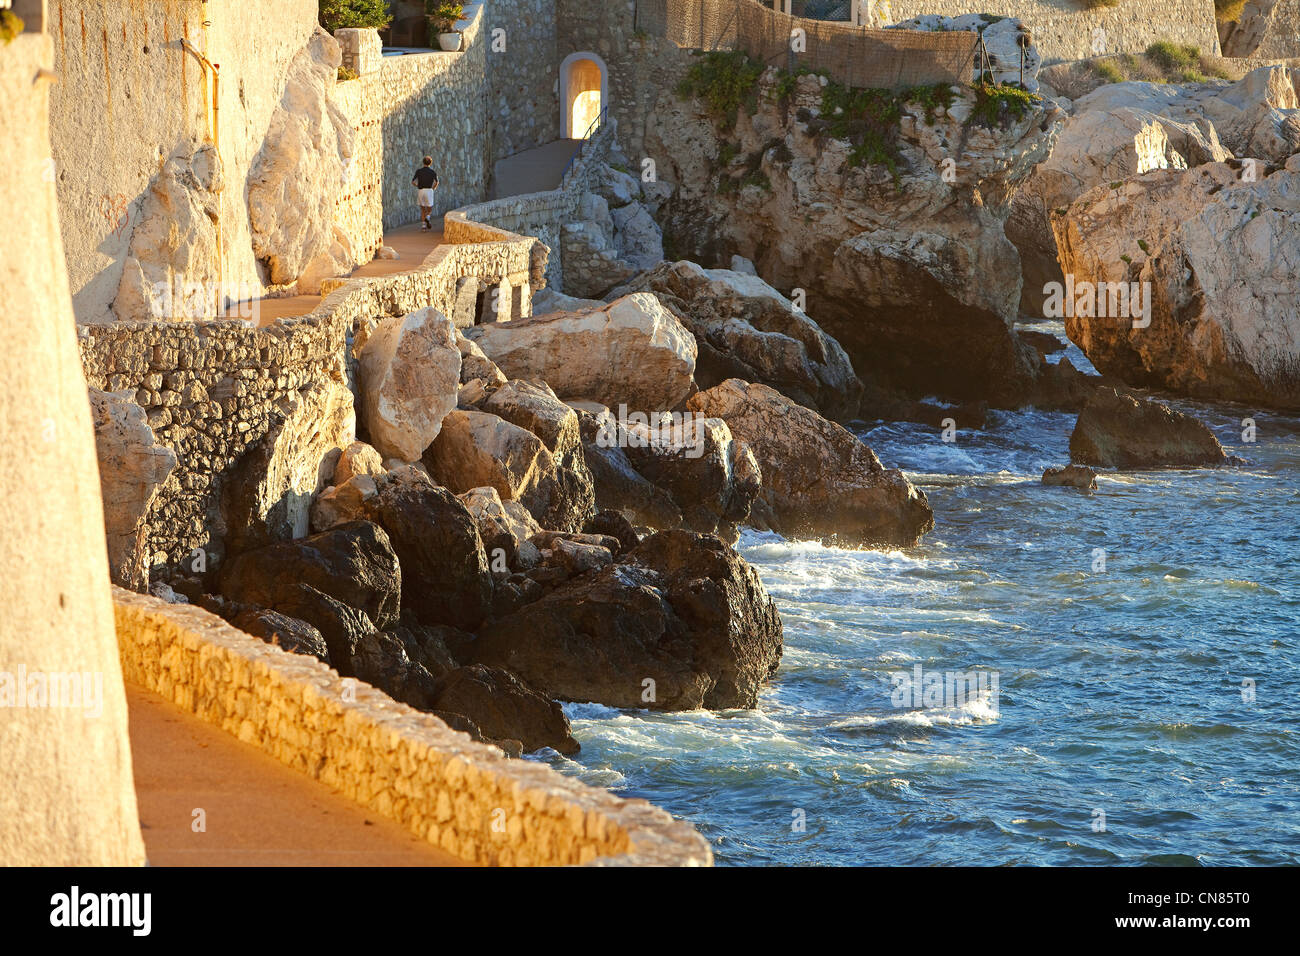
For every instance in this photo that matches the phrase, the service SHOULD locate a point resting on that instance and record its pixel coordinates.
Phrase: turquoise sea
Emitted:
(1147, 710)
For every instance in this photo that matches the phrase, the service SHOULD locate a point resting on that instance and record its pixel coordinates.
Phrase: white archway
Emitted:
(584, 92)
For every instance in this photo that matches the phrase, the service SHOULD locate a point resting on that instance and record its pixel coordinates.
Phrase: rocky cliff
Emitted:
(884, 213)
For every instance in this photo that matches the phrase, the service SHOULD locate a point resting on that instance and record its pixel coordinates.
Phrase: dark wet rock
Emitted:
(1120, 430)
(295, 636)
(613, 524)
(819, 479)
(445, 568)
(343, 627)
(619, 486)
(1071, 476)
(681, 622)
(381, 660)
(505, 708)
(354, 563)
(427, 645)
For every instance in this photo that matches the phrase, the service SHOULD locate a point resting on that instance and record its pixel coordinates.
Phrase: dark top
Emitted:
(425, 177)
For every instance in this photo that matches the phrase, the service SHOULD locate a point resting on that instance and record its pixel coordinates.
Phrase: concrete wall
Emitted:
(129, 97)
(464, 797)
(66, 792)
(1063, 30)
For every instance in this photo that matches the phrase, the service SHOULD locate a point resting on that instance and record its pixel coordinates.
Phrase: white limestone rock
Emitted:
(300, 173)
(408, 378)
(632, 350)
(132, 467)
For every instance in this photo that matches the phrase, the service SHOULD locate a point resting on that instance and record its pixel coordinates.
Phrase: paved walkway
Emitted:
(258, 811)
(411, 242)
(532, 171)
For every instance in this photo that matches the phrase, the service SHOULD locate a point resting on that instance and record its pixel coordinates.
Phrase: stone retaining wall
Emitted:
(1064, 30)
(212, 390)
(419, 104)
(462, 796)
(544, 214)
(524, 106)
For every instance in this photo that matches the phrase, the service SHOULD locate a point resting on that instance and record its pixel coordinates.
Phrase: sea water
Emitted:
(1143, 640)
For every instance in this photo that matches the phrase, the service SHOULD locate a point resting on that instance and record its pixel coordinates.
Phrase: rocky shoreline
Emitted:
(545, 510)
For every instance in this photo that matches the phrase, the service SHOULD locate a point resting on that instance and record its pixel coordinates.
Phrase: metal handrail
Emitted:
(577, 152)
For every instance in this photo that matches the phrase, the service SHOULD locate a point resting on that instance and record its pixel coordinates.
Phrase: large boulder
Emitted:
(408, 377)
(746, 329)
(171, 271)
(380, 659)
(712, 478)
(632, 350)
(268, 495)
(505, 708)
(819, 480)
(1118, 430)
(300, 174)
(618, 485)
(444, 565)
(353, 563)
(1212, 257)
(564, 499)
(478, 449)
(132, 467)
(295, 636)
(1097, 145)
(681, 622)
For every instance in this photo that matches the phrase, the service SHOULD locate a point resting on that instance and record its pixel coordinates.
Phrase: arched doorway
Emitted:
(584, 91)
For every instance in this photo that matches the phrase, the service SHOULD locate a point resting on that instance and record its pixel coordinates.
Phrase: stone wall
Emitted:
(421, 104)
(523, 69)
(465, 797)
(128, 97)
(641, 67)
(213, 390)
(1064, 30)
(544, 214)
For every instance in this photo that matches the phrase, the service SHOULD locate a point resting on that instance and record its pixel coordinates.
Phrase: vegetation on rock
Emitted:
(340, 14)
(725, 81)
(11, 24)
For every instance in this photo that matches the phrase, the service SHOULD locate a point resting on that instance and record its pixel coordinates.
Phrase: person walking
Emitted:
(426, 181)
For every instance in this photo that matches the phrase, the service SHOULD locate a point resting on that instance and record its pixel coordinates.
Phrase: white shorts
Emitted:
(426, 198)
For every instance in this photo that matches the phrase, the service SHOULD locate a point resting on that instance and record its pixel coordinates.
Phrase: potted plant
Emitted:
(443, 17)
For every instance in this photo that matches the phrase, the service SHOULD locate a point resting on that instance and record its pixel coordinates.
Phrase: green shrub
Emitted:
(338, 14)
(997, 105)
(1109, 71)
(867, 119)
(1098, 4)
(1173, 56)
(346, 74)
(443, 15)
(11, 24)
(725, 80)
